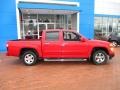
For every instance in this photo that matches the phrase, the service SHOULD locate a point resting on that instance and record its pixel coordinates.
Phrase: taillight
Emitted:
(6, 45)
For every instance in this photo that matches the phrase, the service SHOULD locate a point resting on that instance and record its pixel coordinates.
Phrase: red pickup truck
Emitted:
(60, 45)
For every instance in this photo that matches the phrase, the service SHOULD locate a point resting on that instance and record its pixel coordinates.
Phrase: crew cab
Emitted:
(60, 45)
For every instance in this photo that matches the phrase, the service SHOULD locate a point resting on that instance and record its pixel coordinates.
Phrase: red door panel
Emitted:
(74, 49)
(51, 45)
(52, 50)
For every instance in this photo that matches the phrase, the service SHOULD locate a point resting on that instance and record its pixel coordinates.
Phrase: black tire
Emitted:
(99, 57)
(114, 43)
(29, 58)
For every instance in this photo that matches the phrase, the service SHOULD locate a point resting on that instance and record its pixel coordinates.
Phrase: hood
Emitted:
(99, 42)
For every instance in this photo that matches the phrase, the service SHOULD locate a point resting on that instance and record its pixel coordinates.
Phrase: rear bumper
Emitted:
(7, 54)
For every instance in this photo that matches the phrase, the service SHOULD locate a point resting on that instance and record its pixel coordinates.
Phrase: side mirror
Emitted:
(82, 39)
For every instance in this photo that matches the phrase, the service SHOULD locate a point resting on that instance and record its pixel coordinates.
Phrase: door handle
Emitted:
(63, 44)
(47, 43)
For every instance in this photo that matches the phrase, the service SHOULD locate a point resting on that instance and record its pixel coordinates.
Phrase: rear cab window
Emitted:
(52, 36)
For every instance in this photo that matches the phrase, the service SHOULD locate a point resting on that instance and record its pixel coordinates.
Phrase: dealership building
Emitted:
(92, 18)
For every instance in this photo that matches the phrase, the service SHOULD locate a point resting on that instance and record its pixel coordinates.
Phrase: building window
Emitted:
(104, 26)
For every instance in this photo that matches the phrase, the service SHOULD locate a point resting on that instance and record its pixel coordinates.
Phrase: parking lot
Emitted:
(14, 75)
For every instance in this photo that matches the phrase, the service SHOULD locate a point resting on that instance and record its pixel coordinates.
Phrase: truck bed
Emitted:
(26, 40)
(15, 46)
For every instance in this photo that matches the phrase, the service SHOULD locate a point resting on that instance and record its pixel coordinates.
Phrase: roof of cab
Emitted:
(58, 30)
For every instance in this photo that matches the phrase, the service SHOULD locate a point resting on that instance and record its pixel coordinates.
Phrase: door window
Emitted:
(52, 36)
(71, 36)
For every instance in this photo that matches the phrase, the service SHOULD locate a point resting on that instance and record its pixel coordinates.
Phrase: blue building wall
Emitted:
(86, 10)
(8, 25)
(87, 18)
(8, 22)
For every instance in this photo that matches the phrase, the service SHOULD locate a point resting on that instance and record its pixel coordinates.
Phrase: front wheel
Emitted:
(29, 58)
(100, 57)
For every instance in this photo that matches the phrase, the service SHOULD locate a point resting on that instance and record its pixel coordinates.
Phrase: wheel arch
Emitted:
(23, 50)
(98, 48)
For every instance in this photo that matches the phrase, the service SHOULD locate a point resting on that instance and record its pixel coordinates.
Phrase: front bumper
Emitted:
(111, 52)
(111, 56)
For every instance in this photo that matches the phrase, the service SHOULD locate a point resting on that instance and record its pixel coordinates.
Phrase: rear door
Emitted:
(51, 46)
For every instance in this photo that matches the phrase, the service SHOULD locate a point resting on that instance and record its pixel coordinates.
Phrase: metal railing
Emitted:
(33, 30)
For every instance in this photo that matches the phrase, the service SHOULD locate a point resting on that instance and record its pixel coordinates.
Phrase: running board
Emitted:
(65, 59)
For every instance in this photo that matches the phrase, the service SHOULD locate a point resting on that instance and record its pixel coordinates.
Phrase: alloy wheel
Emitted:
(29, 58)
(100, 57)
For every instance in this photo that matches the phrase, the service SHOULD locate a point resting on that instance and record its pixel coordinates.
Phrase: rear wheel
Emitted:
(29, 58)
(100, 57)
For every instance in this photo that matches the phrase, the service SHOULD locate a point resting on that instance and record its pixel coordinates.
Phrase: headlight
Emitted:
(6, 45)
(112, 49)
(111, 45)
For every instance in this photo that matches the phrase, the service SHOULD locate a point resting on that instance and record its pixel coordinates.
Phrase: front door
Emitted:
(72, 47)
